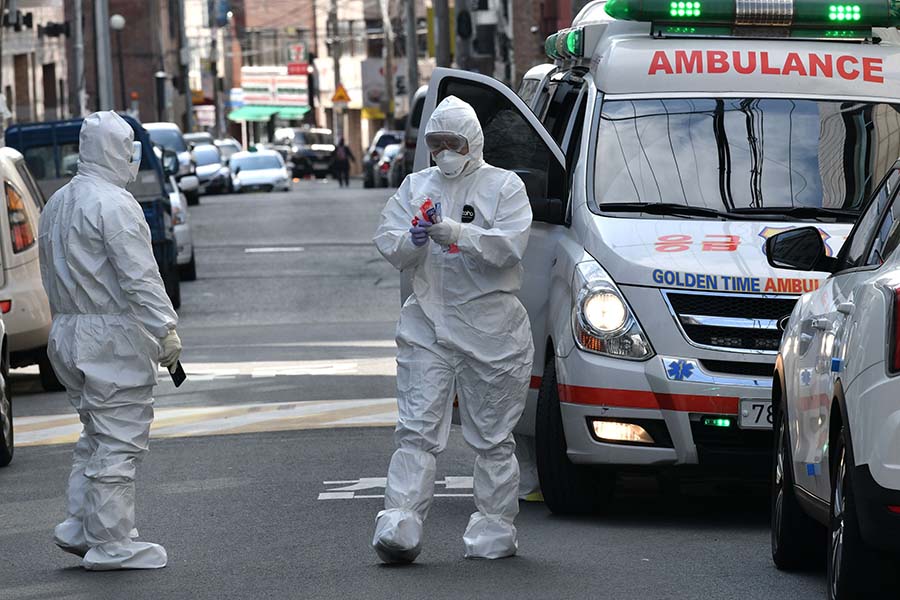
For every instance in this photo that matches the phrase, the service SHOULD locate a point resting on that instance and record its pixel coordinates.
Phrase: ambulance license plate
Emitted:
(755, 414)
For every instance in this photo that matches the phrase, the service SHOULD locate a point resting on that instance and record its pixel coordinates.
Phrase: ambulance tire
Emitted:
(568, 489)
(798, 541)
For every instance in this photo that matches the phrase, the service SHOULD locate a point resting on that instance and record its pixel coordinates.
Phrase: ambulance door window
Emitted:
(510, 141)
(562, 106)
(854, 253)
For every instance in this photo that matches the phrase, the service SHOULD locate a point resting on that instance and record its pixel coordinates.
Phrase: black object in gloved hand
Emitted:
(177, 373)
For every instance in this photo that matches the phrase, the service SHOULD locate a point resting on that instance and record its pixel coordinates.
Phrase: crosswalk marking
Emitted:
(350, 489)
(224, 420)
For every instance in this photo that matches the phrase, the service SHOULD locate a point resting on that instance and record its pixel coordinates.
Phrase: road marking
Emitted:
(224, 420)
(273, 249)
(349, 489)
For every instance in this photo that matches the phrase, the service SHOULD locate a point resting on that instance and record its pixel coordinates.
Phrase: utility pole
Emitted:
(412, 51)
(442, 29)
(104, 55)
(337, 115)
(184, 59)
(463, 34)
(214, 67)
(80, 94)
(388, 63)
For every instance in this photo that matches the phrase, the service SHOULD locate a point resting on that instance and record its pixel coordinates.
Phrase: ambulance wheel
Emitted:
(798, 541)
(49, 381)
(568, 489)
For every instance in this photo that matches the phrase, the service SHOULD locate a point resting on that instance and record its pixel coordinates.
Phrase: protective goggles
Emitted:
(137, 150)
(445, 140)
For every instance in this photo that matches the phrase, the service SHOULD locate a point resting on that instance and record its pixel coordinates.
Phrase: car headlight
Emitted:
(602, 321)
(177, 215)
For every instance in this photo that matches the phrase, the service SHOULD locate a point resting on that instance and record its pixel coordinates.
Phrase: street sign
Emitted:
(298, 68)
(340, 94)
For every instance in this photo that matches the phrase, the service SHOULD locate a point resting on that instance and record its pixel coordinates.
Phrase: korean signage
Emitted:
(273, 86)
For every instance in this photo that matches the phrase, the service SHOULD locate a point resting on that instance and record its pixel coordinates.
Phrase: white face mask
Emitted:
(135, 164)
(450, 163)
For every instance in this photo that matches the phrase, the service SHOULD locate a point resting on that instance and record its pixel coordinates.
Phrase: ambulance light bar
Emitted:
(796, 14)
(564, 44)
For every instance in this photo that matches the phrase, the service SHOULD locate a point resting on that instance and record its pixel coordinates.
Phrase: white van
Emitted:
(668, 148)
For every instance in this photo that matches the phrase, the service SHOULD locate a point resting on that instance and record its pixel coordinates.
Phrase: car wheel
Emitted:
(798, 541)
(568, 489)
(188, 272)
(854, 569)
(49, 381)
(368, 183)
(7, 431)
(172, 282)
(193, 198)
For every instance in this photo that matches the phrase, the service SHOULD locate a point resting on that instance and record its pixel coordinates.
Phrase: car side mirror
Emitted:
(801, 249)
(170, 163)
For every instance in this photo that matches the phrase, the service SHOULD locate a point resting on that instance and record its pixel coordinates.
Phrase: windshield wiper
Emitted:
(666, 208)
(803, 212)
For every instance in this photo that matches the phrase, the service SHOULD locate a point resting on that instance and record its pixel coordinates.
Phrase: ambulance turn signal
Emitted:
(798, 14)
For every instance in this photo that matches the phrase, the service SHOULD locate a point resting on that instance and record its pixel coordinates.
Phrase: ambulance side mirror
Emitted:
(801, 249)
(543, 209)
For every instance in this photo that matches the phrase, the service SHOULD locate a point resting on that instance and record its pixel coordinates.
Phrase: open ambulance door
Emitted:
(514, 139)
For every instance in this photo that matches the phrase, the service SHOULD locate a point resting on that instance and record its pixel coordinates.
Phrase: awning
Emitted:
(264, 113)
(293, 112)
(253, 113)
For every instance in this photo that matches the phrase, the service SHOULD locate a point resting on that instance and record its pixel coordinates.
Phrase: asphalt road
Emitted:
(263, 477)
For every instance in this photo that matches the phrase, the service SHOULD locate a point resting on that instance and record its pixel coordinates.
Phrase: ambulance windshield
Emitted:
(780, 158)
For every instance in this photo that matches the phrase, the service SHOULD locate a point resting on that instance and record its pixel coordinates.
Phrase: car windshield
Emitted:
(228, 149)
(743, 157)
(256, 163)
(170, 139)
(206, 156)
(317, 137)
(386, 139)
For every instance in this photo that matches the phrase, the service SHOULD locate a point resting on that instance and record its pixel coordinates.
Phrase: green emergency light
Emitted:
(565, 44)
(717, 422)
(800, 14)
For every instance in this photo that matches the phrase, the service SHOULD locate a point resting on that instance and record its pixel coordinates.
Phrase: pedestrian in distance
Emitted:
(112, 325)
(462, 333)
(340, 162)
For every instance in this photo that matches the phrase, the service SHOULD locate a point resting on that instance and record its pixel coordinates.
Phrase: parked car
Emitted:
(835, 408)
(7, 430)
(228, 147)
(181, 222)
(198, 138)
(48, 147)
(214, 175)
(169, 136)
(411, 132)
(383, 138)
(263, 170)
(309, 149)
(384, 170)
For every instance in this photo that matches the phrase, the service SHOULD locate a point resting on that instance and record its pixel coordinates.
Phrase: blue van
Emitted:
(51, 153)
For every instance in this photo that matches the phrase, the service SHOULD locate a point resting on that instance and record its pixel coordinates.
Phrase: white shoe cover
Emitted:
(125, 555)
(69, 535)
(489, 538)
(398, 536)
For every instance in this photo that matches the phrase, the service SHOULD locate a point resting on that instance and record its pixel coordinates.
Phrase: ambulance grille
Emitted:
(735, 322)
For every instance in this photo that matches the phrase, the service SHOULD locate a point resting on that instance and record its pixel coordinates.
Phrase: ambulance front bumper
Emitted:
(669, 397)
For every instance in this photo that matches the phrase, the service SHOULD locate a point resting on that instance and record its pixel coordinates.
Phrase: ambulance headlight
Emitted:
(601, 319)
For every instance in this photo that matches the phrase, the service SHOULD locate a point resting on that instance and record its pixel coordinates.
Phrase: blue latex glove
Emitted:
(420, 234)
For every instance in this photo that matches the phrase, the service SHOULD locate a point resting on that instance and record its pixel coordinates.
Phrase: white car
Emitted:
(169, 136)
(263, 170)
(184, 240)
(23, 302)
(835, 404)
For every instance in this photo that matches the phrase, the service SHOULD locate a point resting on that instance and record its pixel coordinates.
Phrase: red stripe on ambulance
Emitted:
(574, 394)
(760, 62)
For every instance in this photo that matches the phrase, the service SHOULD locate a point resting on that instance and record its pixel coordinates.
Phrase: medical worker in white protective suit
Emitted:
(112, 325)
(462, 333)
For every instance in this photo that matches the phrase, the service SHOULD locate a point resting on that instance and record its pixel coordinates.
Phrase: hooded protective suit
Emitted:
(110, 310)
(462, 333)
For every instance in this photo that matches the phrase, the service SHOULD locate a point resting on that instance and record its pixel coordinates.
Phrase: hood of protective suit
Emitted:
(105, 148)
(456, 116)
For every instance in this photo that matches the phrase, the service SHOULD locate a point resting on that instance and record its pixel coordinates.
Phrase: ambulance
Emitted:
(668, 142)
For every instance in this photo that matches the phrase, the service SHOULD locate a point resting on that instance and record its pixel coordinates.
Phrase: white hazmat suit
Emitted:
(462, 333)
(110, 317)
